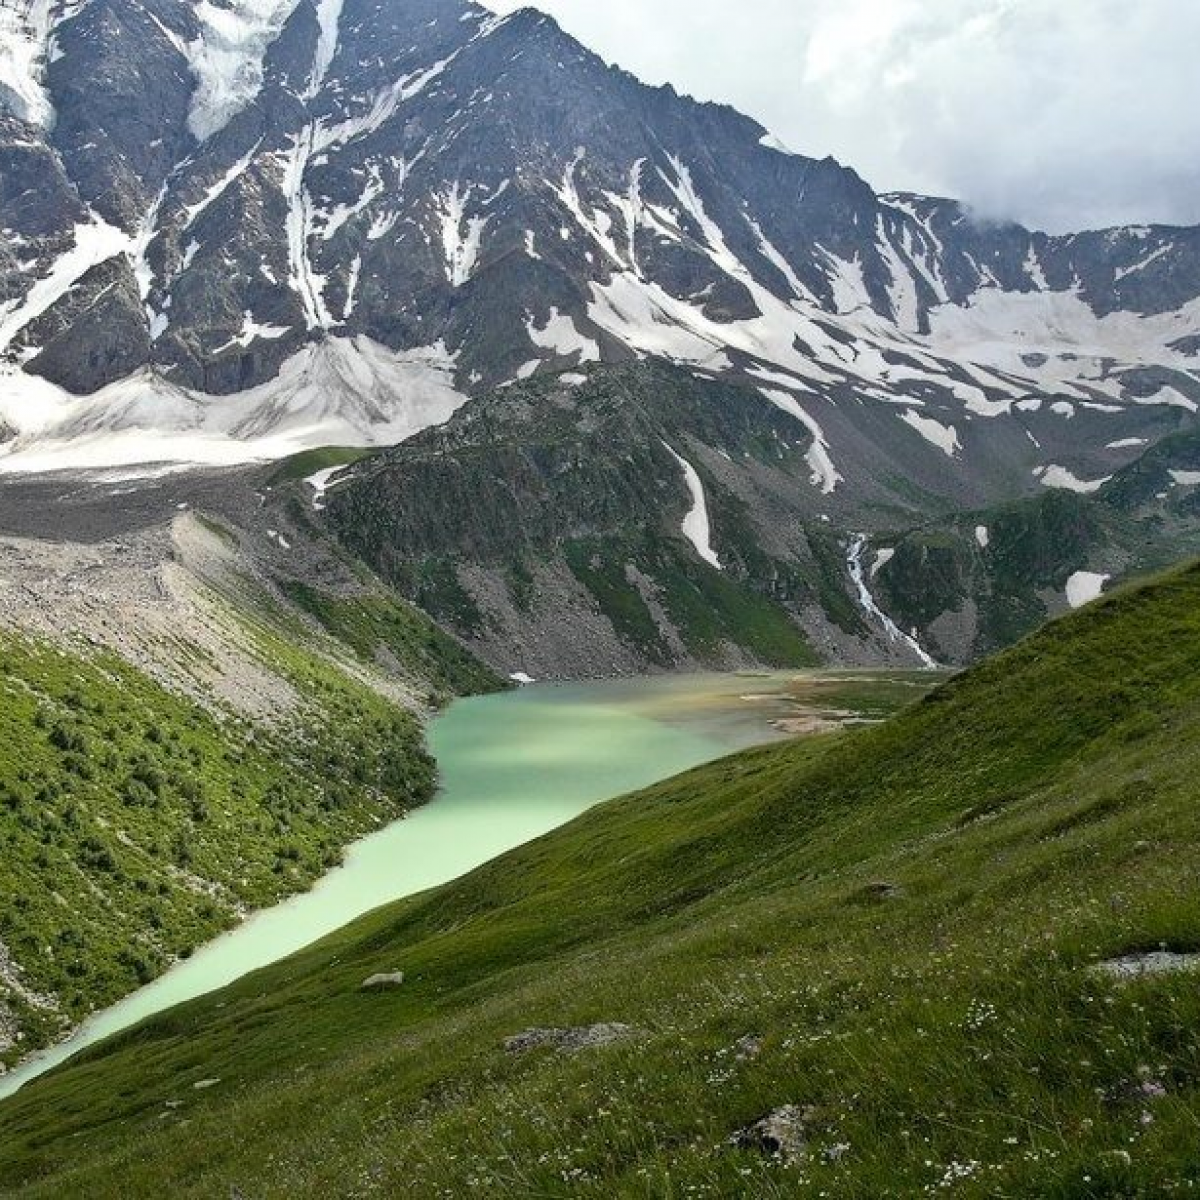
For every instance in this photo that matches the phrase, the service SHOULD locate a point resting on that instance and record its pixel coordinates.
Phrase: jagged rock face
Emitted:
(259, 175)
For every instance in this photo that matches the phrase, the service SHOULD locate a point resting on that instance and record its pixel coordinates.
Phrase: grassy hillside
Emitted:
(895, 932)
(309, 462)
(381, 628)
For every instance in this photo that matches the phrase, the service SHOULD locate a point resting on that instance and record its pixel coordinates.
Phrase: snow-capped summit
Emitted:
(203, 194)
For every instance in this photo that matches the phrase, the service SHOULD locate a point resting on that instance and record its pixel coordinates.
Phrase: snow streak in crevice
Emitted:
(824, 474)
(329, 15)
(94, 243)
(462, 236)
(696, 526)
(305, 281)
(871, 607)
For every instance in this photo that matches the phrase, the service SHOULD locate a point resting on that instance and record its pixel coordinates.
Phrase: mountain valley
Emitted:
(362, 357)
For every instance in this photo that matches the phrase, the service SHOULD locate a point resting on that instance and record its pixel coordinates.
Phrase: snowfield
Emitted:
(1084, 586)
(24, 48)
(337, 392)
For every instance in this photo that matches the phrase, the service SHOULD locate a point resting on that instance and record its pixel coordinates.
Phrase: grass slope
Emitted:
(908, 918)
(380, 627)
(309, 462)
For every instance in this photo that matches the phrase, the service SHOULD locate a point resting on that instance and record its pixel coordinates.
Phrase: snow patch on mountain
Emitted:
(352, 287)
(329, 15)
(321, 482)
(1054, 476)
(382, 108)
(847, 282)
(824, 474)
(1035, 271)
(1168, 397)
(902, 290)
(648, 318)
(775, 257)
(462, 235)
(1085, 586)
(597, 224)
(94, 243)
(252, 331)
(215, 190)
(1149, 260)
(303, 277)
(696, 526)
(227, 58)
(561, 336)
(644, 316)
(944, 437)
(340, 391)
(335, 218)
(139, 257)
(684, 189)
(25, 27)
(1055, 339)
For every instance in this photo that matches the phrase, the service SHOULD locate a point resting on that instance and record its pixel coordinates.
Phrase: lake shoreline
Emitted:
(513, 766)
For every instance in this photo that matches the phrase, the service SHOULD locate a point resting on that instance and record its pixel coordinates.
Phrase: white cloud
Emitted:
(1060, 113)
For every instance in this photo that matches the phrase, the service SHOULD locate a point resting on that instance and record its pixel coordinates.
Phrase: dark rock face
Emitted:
(121, 88)
(95, 335)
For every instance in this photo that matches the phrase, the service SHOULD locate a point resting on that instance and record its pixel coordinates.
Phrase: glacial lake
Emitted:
(513, 767)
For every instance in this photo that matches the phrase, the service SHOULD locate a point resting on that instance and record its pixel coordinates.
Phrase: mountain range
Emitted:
(358, 356)
(244, 228)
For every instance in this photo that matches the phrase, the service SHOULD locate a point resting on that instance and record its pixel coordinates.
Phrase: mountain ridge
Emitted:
(242, 230)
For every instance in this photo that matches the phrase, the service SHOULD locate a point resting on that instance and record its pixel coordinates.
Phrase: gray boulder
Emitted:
(780, 1134)
(383, 982)
(570, 1041)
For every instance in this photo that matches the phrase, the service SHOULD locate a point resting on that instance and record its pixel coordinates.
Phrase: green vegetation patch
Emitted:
(601, 566)
(375, 625)
(708, 608)
(309, 462)
(136, 824)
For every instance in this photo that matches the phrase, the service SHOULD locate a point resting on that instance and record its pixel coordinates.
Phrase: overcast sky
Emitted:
(1063, 114)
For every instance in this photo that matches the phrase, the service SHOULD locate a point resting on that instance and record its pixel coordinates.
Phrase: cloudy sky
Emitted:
(1063, 114)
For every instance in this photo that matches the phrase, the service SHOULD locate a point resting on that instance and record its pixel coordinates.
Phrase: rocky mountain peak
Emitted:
(211, 192)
